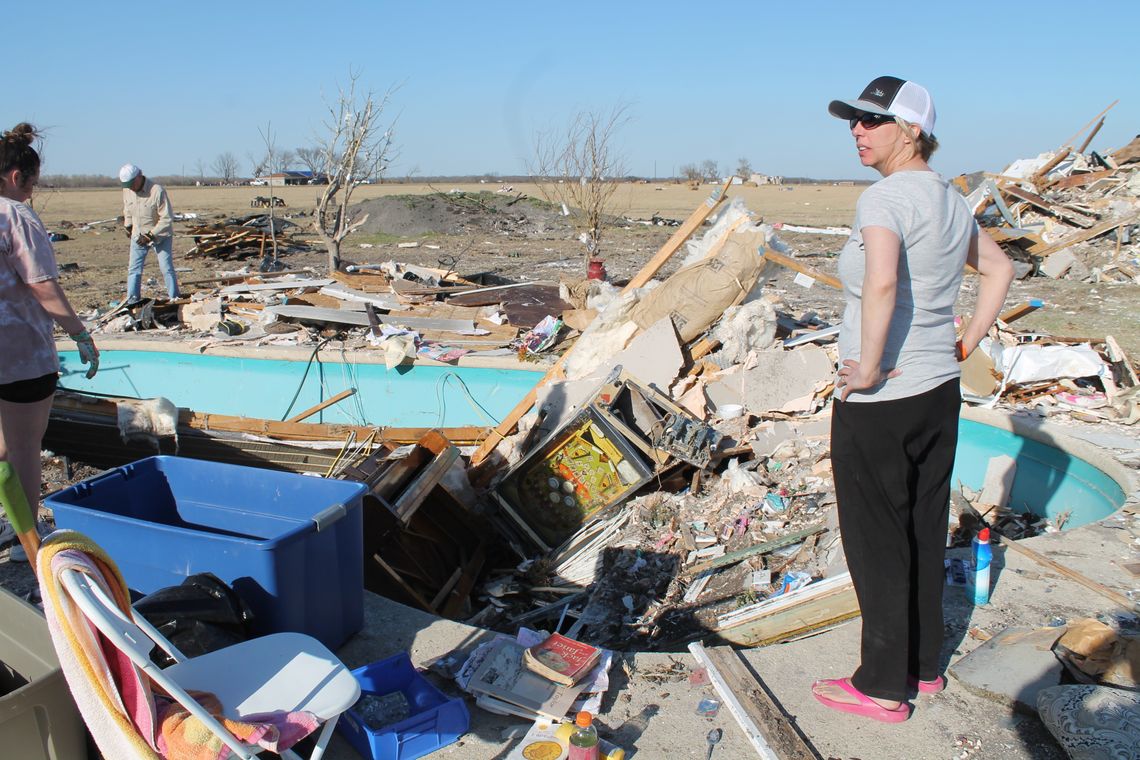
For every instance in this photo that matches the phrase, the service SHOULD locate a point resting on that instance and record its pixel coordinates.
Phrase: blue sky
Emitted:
(167, 85)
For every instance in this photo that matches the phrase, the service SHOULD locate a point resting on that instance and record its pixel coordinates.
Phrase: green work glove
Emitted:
(88, 354)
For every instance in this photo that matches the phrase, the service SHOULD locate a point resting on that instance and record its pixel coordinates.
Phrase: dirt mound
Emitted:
(459, 213)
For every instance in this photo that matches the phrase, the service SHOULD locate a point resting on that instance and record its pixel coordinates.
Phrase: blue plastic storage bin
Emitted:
(434, 720)
(290, 545)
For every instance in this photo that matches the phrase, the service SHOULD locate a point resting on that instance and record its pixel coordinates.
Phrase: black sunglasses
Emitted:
(870, 120)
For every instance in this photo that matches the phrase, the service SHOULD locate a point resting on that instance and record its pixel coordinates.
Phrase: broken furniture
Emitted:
(422, 545)
(616, 442)
(284, 672)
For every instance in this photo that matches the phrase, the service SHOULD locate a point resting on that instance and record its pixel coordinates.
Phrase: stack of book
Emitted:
(540, 682)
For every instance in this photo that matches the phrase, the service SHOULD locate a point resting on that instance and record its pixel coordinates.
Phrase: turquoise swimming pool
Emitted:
(407, 396)
(1049, 480)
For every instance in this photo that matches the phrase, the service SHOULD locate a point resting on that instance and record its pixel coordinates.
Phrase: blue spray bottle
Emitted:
(983, 556)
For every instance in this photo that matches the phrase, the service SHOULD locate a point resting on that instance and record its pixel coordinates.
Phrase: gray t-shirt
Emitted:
(935, 227)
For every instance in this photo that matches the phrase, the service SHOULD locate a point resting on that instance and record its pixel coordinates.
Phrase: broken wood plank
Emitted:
(1088, 234)
(751, 730)
(677, 239)
(360, 319)
(742, 554)
(1092, 134)
(695, 220)
(1050, 165)
(1072, 575)
(1079, 180)
(790, 263)
(764, 711)
(323, 405)
(1091, 122)
(1019, 311)
(1056, 209)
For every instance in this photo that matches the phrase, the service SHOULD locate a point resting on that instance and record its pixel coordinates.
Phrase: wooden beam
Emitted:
(1079, 180)
(695, 220)
(1092, 134)
(1081, 220)
(323, 405)
(754, 698)
(1019, 311)
(790, 263)
(739, 556)
(1091, 122)
(690, 225)
(743, 717)
(1050, 165)
(1088, 234)
(1072, 575)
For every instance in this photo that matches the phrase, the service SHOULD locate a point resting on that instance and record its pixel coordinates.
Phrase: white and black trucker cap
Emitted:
(890, 96)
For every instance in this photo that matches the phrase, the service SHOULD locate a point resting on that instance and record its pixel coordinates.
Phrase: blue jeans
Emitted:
(164, 248)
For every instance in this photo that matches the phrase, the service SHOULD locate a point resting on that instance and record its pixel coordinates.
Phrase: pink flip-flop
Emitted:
(865, 707)
(927, 687)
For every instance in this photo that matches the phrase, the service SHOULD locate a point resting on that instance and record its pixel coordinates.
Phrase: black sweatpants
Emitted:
(891, 462)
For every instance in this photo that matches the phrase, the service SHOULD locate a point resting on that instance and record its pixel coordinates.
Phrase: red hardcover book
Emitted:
(561, 659)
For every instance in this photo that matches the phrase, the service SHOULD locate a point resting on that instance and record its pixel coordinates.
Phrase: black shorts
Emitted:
(29, 391)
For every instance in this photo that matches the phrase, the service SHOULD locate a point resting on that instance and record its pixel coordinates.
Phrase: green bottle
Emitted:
(584, 740)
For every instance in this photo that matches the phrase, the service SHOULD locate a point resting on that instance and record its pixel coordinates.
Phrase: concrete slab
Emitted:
(1012, 667)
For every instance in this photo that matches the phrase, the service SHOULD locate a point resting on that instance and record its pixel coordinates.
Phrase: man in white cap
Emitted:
(149, 220)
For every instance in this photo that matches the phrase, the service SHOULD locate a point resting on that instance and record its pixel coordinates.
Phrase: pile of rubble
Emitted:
(1064, 213)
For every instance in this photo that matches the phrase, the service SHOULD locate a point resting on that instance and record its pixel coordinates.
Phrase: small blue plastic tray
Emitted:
(435, 720)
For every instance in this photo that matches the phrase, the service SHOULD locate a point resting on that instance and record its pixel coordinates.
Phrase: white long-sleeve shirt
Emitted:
(148, 210)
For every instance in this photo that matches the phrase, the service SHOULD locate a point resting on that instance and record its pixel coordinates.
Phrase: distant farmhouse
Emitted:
(280, 179)
(766, 179)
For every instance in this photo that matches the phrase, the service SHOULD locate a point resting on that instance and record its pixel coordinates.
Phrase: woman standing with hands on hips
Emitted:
(894, 427)
(31, 300)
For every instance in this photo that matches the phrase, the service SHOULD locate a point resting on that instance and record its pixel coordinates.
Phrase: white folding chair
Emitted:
(282, 671)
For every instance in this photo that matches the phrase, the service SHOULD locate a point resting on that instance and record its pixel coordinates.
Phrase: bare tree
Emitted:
(743, 169)
(709, 170)
(268, 263)
(357, 145)
(257, 165)
(225, 166)
(310, 158)
(692, 173)
(200, 165)
(581, 169)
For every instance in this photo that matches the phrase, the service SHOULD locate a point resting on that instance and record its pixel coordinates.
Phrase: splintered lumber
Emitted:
(1080, 180)
(790, 263)
(1092, 134)
(1072, 575)
(739, 556)
(323, 405)
(1091, 122)
(695, 220)
(1019, 311)
(1055, 209)
(756, 702)
(1050, 165)
(743, 717)
(1088, 234)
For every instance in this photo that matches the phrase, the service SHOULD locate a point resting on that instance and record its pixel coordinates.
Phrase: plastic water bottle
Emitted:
(983, 556)
(584, 740)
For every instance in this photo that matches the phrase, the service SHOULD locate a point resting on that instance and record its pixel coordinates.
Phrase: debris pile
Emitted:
(1064, 213)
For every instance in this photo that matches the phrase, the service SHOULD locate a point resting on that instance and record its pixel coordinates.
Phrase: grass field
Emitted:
(822, 205)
